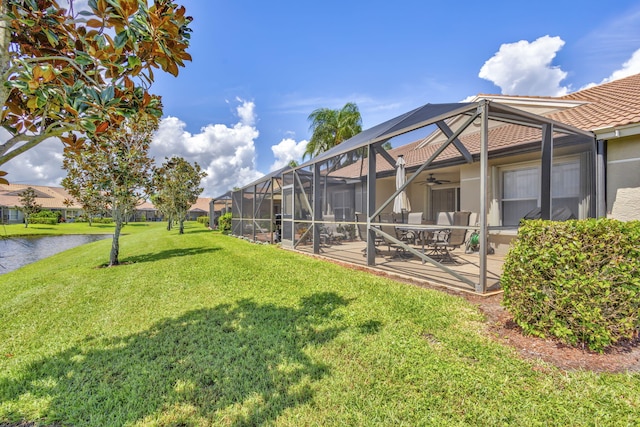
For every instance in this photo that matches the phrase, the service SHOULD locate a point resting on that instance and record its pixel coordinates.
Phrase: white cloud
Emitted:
(286, 151)
(524, 68)
(226, 153)
(629, 68)
(41, 165)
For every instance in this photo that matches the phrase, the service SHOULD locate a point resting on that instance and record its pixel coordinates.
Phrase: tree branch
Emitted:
(30, 142)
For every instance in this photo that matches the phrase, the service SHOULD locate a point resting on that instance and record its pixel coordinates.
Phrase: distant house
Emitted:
(199, 208)
(146, 211)
(55, 199)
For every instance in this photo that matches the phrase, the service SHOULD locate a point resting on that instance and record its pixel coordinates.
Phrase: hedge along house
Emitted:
(499, 157)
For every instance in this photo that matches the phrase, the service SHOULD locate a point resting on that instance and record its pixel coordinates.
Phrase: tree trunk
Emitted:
(181, 226)
(169, 223)
(115, 244)
(5, 41)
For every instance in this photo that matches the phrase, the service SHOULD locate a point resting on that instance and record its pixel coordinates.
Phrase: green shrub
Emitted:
(204, 219)
(224, 223)
(45, 213)
(43, 220)
(102, 220)
(576, 280)
(45, 217)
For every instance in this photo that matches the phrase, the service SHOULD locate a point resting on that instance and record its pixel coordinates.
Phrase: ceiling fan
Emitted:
(431, 180)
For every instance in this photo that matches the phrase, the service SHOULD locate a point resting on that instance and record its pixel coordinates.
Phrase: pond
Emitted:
(18, 251)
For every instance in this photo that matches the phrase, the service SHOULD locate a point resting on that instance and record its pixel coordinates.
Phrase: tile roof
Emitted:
(616, 103)
(54, 197)
(608, 105)
(47, 197)
(201, 204)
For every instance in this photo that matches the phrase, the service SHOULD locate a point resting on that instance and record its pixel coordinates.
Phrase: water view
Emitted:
(16, 252)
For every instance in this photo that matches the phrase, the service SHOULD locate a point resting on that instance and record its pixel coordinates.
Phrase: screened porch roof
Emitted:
(430, 114)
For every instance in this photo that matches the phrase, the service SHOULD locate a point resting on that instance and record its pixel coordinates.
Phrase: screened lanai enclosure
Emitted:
(472, 171)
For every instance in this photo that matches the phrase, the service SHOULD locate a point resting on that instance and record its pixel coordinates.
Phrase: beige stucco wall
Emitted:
(623, 178)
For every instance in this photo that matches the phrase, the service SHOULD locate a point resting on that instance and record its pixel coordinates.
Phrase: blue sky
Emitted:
(259, 68)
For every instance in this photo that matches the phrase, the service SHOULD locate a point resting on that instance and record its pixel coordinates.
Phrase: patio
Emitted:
(491, 161)
(412, 268)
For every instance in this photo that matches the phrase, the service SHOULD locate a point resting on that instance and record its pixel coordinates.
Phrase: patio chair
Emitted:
(390, 229)
(330, 233)
(448, 239)
(414, 218)
(362, 232)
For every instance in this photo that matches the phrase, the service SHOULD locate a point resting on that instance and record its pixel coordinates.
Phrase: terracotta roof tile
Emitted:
(611, 104)
(51, 197)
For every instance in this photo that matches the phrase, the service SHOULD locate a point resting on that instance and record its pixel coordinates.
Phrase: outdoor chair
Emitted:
(330, 233)
(414, 218)
(362, 232)
(445, 240)
(384, 241)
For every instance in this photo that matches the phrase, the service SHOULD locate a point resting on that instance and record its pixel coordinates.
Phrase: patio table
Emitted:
(421, 233)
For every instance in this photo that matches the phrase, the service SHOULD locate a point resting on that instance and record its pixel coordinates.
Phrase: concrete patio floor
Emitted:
(408, 267)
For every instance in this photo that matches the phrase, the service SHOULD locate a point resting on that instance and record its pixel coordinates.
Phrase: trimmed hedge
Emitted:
(43, 220)
(204, 220)
(45, 216)
(575, 280)
(83, 218)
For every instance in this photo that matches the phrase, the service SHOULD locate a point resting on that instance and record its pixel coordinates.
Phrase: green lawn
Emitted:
(205, 329)
(17, 230)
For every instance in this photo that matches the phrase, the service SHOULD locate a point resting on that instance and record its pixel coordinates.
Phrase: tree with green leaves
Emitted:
(94, 202)
(331, 127)
(164, 207)
(76, 74)
(117, 166)
(177, 184)
(28, 204)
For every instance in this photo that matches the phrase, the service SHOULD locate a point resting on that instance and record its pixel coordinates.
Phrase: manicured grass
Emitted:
(206, 329)
(17, 230)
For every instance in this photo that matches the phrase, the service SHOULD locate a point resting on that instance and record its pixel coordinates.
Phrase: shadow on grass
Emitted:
(169, 253)
(240, 364)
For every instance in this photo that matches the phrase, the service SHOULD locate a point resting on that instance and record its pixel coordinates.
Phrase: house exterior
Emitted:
(503, 158)
(610, 111)
(55, 199)
(199, 208)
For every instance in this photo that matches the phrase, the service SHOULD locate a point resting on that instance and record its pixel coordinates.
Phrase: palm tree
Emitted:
(330, 127)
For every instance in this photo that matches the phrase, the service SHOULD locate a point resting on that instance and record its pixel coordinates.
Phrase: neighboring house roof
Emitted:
(600, 109)
(145, 206)
(201, 205)
(47, 197)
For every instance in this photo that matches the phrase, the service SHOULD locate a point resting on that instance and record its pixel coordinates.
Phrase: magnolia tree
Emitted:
(117, 166)
(28, 204)
(75, 74)
(177, 185)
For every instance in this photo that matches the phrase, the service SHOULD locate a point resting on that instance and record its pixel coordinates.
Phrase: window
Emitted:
(443, 200)
(343, 205)
(521, 189)
(520, 193)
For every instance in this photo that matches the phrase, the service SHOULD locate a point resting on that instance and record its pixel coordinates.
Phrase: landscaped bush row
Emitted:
(576, 280)
(45, 216)
(204, 220)
(95, 220)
